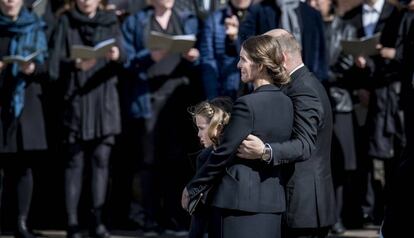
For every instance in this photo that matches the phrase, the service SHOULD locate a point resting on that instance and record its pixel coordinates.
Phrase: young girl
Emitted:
(210, 118)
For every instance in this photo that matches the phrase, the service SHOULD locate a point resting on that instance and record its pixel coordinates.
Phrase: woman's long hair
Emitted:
(265, 51)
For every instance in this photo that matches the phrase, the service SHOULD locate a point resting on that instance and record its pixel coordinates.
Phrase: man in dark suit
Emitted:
(302, 20)
(309, 189)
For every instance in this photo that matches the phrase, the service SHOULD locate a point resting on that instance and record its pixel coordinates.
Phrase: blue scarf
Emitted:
(27, 37)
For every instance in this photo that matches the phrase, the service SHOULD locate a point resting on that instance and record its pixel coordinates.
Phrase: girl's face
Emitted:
(11, 8)
(202, 125)
(248, 68)
(88, 7)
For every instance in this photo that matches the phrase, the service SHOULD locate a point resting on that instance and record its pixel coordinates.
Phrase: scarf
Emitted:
(289, 19)
(95, 29)
(27, 38)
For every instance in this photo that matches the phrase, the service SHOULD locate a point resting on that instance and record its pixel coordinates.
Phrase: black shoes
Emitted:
(97, 232)
(338, 228)
(367, 220)
(100, 232)
(22, 231)
(73, 232)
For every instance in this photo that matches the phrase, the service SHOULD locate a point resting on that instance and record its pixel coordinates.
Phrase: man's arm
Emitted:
(308, 114)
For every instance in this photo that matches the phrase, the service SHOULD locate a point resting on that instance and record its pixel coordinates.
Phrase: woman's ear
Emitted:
(219, 129)
(285, 59)
(260, 68)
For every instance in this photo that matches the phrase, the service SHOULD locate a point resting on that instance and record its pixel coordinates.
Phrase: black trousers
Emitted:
(17, 167)
(97, 153)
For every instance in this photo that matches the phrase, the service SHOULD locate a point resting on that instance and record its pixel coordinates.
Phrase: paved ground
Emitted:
(365, 233)
(372, 232)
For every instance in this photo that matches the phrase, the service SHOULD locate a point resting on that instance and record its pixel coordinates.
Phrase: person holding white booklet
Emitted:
(22, 122)
(90, 104)
(157, 94)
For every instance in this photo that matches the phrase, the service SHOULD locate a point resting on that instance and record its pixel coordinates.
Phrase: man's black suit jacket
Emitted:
(248, 185)
(310, 195)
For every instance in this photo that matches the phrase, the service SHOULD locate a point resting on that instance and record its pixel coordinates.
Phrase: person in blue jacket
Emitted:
(156, 97)
(219, 47)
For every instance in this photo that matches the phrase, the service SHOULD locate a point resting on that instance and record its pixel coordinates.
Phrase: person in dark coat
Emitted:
(210, 118)
(90, 104)
(22, 123)
(375, 79)
(248, 198)
(400, 205)
(300, 19)
(309, 190)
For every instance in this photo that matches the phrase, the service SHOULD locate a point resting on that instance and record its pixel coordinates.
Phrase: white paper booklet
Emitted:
(9, 59)
(89, 52)
(171, 43)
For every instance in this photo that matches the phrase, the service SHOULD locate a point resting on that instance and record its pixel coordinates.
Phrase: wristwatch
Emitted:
(267, 153)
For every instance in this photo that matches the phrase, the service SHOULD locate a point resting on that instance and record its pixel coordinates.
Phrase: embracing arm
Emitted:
(307, 116)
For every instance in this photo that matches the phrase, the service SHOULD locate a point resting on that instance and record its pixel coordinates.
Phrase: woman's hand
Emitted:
(85, 64)
(28, 68)
(113, 54)
(361, 62)
(192, 54)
